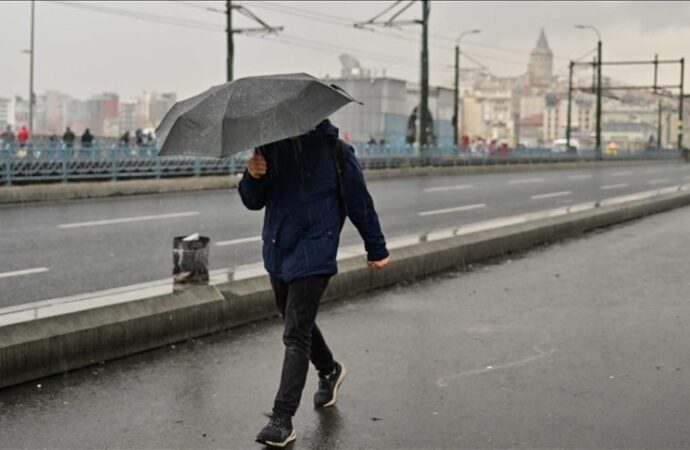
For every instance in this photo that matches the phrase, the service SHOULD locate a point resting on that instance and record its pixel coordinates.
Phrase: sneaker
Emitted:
(327, 394)
(278, 432)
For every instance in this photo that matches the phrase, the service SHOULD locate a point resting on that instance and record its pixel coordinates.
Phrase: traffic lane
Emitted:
(578, 345)
(35, 217)
(77, 266)
(88, 258)
(224, 210)
(37, 222)
(125, 261)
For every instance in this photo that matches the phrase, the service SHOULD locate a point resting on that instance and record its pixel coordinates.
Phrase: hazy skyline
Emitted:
(83, 52)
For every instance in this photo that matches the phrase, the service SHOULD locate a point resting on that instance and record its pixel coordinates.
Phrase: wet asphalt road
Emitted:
(583, 344)
(75, 247)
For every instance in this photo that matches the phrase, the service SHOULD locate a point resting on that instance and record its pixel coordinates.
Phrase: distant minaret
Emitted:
(540, 66)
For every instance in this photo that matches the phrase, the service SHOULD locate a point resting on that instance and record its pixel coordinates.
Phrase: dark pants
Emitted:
(298, 303)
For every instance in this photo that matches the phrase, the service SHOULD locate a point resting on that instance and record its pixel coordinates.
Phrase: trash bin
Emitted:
(190, 260)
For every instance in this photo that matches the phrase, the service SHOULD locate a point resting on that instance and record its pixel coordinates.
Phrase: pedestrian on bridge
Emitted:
(23, 136)
(68, 138)
(87, 139)
(7, 137)
(308, 185)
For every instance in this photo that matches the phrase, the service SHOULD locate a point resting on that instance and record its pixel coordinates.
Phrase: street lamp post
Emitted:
(599, 64)
(30, 52)
(456, 127)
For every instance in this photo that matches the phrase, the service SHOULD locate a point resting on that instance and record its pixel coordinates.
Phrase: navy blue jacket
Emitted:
(302, 221)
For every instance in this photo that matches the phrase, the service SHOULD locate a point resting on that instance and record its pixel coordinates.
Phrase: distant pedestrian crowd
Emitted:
(20, 142)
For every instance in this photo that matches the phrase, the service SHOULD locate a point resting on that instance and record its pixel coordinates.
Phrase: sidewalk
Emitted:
(582, 344)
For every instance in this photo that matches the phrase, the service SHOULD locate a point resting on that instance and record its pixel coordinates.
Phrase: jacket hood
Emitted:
(327, 129)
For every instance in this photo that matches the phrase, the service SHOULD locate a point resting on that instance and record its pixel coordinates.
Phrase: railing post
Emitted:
(113, 165)
(64, 162)
(231, 165)
(197, 166)
(8, 167)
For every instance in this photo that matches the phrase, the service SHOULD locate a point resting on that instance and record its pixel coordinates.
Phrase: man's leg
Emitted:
(302, 305)
(320, 354)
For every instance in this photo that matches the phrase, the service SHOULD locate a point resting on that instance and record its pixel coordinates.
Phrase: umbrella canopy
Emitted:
(247, 113)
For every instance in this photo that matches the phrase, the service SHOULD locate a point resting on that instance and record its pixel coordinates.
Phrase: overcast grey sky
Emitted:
(82, 52)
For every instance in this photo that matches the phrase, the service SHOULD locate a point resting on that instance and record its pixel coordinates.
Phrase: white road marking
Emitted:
(449, 188)
(659, 181)
(551, 194)
(128, 219)
(452, 210)
(17, 273)
(614, 186)
(621, 174)
(526, 180)
(579, 177)
(238, 241)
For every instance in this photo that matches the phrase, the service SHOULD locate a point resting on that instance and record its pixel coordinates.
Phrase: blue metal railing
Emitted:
(45, 163)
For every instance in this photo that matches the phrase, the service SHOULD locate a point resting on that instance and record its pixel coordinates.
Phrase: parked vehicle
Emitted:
(561, 146)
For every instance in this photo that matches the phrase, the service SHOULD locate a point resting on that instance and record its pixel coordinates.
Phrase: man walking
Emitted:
(68, 138)
(7, 137)
(307, 185)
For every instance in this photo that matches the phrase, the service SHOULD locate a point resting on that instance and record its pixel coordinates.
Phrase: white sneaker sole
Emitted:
(337, 385)
(290, 438)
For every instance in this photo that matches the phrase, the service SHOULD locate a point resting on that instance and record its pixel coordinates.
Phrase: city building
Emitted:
(540, 66)
(158, 106)
(389, 110)
(20, 107)
(127, 117)
(490, 114)
(103, 114)
(6, 113)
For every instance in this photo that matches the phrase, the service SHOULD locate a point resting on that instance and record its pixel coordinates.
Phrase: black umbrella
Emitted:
(247, 113)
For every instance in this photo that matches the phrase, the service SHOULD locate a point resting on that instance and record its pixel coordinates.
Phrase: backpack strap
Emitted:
(339, 160)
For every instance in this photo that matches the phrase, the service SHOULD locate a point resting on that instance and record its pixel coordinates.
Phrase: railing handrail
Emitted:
(38, 164)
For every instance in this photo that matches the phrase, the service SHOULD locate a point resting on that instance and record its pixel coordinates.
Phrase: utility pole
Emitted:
(31, 74)
(231, 44)
(599, 61)
(423, 107)
(570, 106)
(680, 106)
(598, 66)
(457, 95)
(456, 109)
(263, 29)
(424, 103)
(658, 129)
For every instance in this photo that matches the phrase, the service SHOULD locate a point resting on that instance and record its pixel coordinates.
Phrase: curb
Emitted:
(100, 189)
(37, 348)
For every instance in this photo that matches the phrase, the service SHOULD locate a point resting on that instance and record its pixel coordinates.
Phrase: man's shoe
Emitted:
(278, 432)
(327, 394)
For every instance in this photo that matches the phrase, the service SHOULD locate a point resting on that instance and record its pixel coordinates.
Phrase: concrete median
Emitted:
(47, 339)
(52, 192)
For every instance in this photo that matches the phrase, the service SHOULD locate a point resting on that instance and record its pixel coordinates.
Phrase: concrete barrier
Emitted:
(35, 345)
(53, 192)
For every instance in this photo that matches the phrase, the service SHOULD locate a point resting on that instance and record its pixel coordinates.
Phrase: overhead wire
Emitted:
(156, 18)
(295, 40)
(206, 26)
